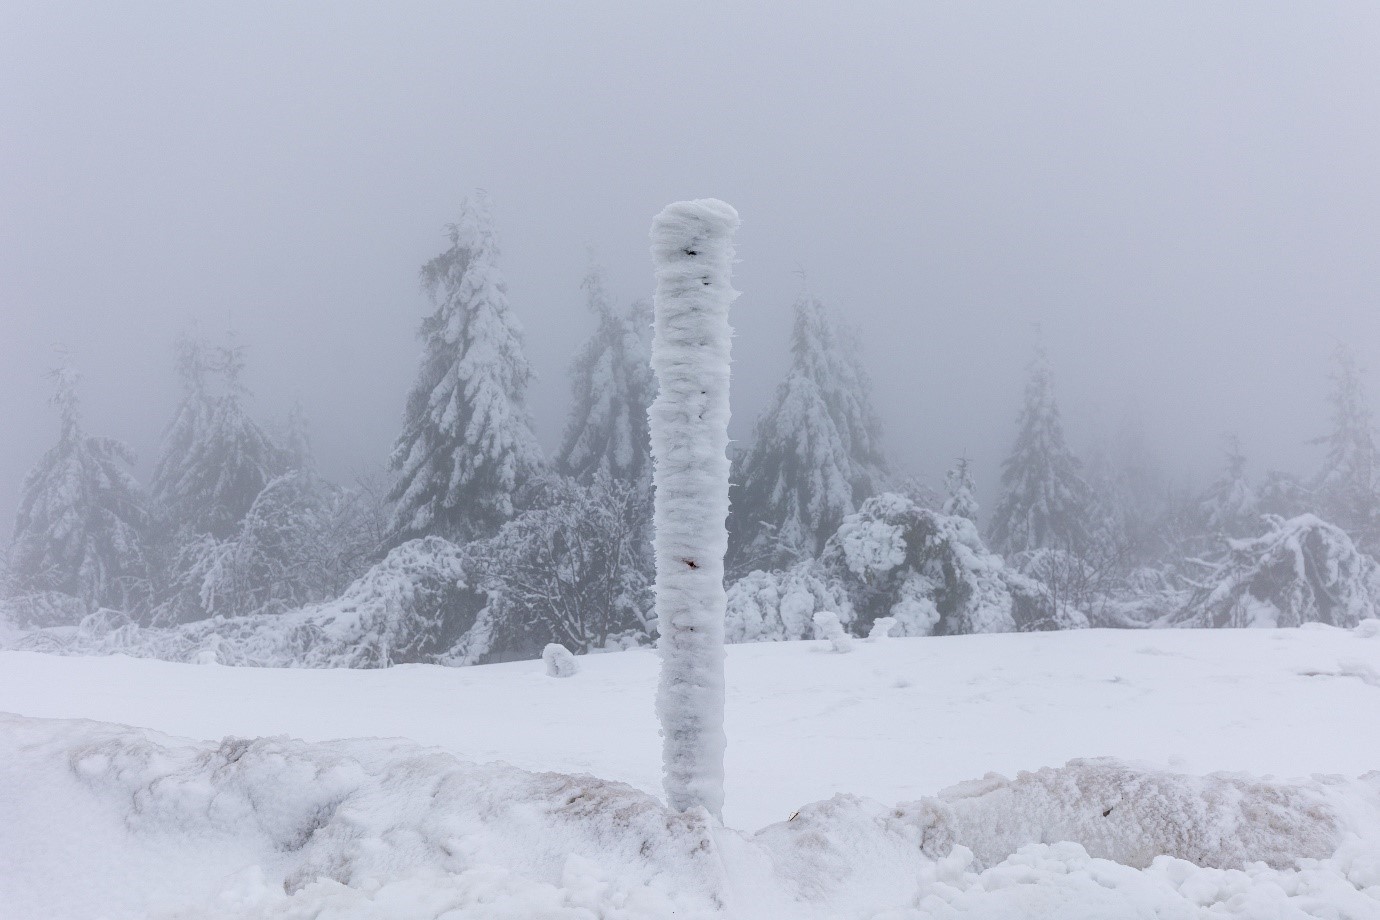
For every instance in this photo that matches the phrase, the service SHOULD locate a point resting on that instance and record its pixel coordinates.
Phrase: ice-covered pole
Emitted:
(692, 256)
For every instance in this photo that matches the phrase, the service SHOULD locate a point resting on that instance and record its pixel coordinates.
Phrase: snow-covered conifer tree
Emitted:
(960, 499)
(467, 444)
(172, 474)
(228, 461)
(1044, 500)
(613, 388)
(1229, 507)
(816, 452)
(692, 254)
(82, 520)
(1347, 487)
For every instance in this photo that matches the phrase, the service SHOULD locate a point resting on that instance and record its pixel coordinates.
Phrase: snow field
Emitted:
(98, 820)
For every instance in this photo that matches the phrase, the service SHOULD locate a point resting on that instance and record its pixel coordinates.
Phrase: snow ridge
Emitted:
(387, 829)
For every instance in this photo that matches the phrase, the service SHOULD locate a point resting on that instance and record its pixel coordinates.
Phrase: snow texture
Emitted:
(559, 662)
(692, 256)
(126, 823)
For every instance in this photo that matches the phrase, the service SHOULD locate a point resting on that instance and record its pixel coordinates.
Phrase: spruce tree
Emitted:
(1347, 488)
(613, 388)
(816, 452)
(1044, 501)
(172, 474)
(467, 444)
(1230, 507)
(218, 459)
(961, 494)
(82, 519)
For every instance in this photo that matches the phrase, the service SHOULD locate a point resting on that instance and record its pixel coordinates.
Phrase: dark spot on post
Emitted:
(1107, 812)
(691, 563)
(690, 252)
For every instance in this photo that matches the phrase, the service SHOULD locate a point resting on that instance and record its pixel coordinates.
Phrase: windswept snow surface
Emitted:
(99, 820)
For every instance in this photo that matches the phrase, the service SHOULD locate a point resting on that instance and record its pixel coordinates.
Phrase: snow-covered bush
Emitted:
(1302, 570)
(827, 626)
(576, 569)
(1075, 585)
(881, 628)
(558, 660)
(413, 606)
(40, 609)
(300, 543)
(778, 606)
(929, 571)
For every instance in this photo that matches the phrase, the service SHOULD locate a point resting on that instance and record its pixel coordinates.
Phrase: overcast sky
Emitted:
(1186, 197)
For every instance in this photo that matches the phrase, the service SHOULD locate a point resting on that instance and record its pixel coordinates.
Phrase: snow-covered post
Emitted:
(692, 257)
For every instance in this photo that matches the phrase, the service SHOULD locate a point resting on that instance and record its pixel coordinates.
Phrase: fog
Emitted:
(1183, 196)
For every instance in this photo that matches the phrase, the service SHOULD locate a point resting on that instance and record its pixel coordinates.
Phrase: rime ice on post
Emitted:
(692, 256)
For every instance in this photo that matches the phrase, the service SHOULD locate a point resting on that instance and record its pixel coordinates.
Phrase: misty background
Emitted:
(1184, 196)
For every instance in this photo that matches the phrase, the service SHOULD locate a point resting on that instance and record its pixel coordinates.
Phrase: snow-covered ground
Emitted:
(99, 821)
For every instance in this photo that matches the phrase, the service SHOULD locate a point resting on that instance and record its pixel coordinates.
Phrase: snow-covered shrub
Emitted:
(294, 547)
(1075, 585)
(827, 626)
(40, 609)
(881, 628)
(1302, 570)
(1140, 597)
(929, 571)
(413, 606)
(576, 569)
(303, 541)
(778, 606)
(558, 660)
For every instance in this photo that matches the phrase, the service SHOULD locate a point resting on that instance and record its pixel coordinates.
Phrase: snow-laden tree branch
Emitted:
(692, 256)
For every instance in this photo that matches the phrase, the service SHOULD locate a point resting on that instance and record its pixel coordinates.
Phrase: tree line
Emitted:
(499, 549)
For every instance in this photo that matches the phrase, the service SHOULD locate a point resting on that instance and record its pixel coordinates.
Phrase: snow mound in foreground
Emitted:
(102, 820)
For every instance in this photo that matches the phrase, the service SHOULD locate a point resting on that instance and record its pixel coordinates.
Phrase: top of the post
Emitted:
(689, 229)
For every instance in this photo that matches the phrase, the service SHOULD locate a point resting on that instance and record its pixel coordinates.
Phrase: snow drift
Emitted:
(132, 823)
